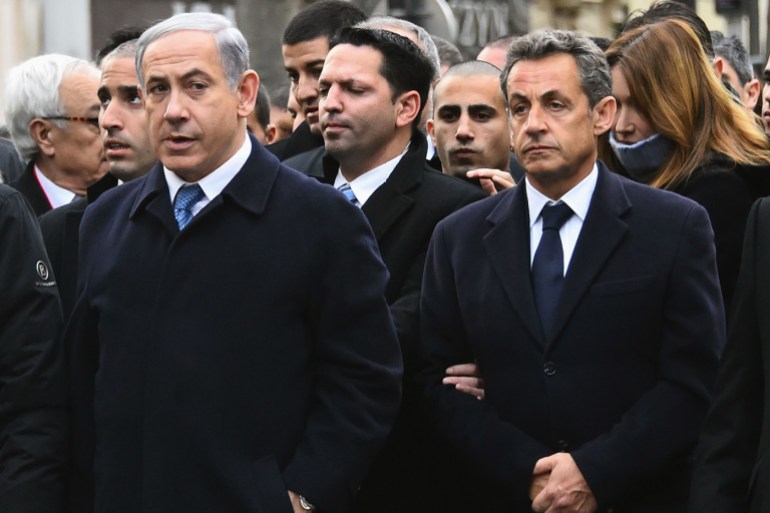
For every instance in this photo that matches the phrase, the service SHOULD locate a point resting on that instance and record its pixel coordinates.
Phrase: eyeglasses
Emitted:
(90, 121)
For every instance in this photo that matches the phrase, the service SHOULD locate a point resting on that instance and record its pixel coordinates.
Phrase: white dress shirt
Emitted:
(578, 199)
(57, 196)
(213, 183)
(365, 185)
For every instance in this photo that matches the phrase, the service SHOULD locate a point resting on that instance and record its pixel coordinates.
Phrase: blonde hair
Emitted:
(674, 87)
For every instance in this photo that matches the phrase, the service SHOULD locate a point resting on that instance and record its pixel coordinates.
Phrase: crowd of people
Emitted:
(410, 282)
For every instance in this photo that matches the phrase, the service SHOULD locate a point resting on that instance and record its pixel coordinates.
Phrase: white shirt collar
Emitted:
(56, 194)
(214, 182)
(431, 148)
(365, 185)
(578, 198)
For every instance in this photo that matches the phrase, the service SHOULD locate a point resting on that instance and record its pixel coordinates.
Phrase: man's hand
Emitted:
(492, 180)
(539, 481)
(566, 491)
(466, 378)
(294, 498)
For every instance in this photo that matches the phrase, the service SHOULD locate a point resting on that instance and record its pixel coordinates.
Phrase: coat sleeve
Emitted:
(32, 410)
(728, 445)
(499, 451)
(357, 365)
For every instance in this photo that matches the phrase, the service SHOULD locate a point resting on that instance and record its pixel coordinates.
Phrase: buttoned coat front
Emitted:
(621, 384)
(250, 353)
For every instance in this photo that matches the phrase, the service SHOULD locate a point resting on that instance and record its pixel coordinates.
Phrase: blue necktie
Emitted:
(349, 194)
(186, 197)
(548, 265)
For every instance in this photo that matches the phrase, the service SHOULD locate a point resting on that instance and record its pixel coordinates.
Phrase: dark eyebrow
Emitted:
(766, 75)
(452, 109)
(128, 90)
(196, 72)
(187, 76)
(317, 62)
(481, 107)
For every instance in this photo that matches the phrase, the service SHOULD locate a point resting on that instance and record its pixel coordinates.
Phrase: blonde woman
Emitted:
(678, 128)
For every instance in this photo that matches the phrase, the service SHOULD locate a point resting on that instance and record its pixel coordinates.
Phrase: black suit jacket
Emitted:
(300, 141)
(622, 384)
(727, 199)
(61, 227)
(28, 185)
(248, 354)
(410, 474)
(732, 466)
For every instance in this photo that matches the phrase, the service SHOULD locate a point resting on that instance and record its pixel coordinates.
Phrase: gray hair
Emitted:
(732, 50)
(591, 63)
(426, 43)
(232, 46)
(32, 91)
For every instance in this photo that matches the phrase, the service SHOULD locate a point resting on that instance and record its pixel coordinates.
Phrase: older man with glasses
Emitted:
(52, 110)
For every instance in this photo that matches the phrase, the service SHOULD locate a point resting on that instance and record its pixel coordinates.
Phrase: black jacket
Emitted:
(732, 464)
(32, 413)
(60, 228)
(410, 474)
(28, 185)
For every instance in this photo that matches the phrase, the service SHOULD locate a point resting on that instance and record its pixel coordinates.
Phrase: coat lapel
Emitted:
(249, 189)
(393, 198)
(602, 231)
(507, 244)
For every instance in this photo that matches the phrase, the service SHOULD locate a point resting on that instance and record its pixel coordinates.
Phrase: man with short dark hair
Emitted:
(470, 122)
(305, 45)
(373, 86)
(234, 354)
(128, 151)
(598, 333)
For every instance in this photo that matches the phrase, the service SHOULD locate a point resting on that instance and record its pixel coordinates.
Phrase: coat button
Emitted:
(562, 445)
(549, 369)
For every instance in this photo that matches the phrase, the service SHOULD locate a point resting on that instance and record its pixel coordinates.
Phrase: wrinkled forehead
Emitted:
(556, 72)
(78, 90)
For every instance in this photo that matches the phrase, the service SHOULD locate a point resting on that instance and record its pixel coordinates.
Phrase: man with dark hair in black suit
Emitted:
(373, 87)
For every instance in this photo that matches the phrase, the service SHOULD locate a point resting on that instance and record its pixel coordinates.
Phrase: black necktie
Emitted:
(548, 265)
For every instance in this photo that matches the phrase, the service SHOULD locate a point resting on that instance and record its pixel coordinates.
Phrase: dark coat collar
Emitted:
(250, 188)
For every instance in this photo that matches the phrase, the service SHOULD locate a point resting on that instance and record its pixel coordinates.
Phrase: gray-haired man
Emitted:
(601, 316)
(230, 348)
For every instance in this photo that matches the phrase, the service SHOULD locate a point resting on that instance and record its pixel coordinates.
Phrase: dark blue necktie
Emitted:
(548, 265)
(186, 197)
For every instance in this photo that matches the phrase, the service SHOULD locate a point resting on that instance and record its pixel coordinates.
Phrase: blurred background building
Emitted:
(81, 27)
